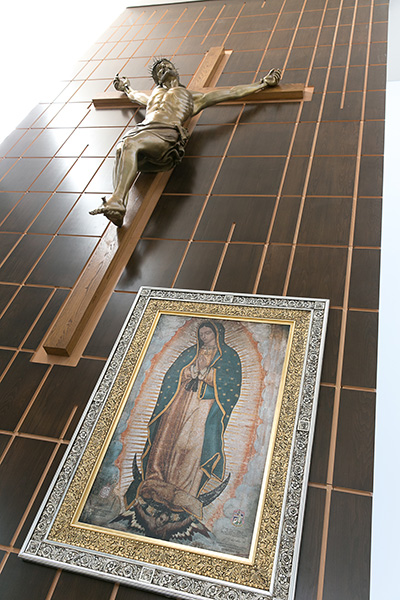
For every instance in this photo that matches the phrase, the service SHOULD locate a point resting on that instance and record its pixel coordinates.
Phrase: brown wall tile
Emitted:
(285, 220)
(72, 585)
(359, 365)
(23, 257)
(348, 556)
(24, 213)
(322, 436)
(338, 138)
(368, 222)
(239, 269)
(355, 441)
(7, 201)
(109, 325)
(63, 261)
(373, 137)
(52, 175)
(4, 439)
(16, 391)
(274, 270)
(126, 593)
(53, 214)
(23, 173)
(262, 140)
(371, 176)
(332, 176)
(193, 176)
(7, 242)
(199, 266)
(364, 283)
(154, 262)
(5, 357)
(209, 140)
(329, 364)
(256, 176)
(58, 397)
(251, 215)
(29, 457)
(319, 273)
(25, 580)
(20, 315)
(243, 61)
(6, 293)
(47, 142)
(375, 105)
(304, 138)
(40, 496)
(351, 110)
(174, 217)
(307, 577)
(326, 221)
(45, 320)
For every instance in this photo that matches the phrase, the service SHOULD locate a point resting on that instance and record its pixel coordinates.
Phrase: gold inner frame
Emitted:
(256, 572)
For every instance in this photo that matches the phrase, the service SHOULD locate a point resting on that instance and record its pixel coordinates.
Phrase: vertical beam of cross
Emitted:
(79, 315)
(83, 308)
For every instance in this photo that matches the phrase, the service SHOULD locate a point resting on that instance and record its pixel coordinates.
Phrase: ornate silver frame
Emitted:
(42, 545)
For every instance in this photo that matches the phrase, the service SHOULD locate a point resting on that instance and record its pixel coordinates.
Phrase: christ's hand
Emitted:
(121, 83)
(273, 78)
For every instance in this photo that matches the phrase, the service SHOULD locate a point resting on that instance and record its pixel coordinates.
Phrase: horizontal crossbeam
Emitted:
(75, 322)
(284, 92)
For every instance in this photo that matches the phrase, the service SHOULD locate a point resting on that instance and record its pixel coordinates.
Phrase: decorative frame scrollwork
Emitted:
(57, 539)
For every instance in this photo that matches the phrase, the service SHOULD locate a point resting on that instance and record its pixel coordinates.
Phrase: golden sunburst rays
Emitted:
(241, 433)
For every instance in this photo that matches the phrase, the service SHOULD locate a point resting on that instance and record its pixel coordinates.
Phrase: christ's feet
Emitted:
(114, 210)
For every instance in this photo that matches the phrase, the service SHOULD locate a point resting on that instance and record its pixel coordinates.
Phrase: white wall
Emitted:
(385, 521)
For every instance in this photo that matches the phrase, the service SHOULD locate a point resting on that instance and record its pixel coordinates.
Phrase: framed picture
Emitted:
(187, 474)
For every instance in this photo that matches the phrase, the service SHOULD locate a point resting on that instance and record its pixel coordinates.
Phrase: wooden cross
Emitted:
(74, 324)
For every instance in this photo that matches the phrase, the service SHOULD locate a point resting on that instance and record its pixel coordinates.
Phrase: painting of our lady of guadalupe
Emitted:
(188, 460)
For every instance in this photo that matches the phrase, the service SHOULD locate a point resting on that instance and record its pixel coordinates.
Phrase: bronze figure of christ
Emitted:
(158, 143)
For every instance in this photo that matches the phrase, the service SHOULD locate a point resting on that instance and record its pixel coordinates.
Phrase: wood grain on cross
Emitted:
(71, 330)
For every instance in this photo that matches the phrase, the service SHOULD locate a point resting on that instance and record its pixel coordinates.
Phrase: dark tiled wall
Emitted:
(274, 199)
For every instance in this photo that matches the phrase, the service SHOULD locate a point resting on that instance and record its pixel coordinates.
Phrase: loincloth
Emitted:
(175, 136)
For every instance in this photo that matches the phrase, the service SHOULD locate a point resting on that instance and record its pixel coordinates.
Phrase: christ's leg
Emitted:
(125, 172)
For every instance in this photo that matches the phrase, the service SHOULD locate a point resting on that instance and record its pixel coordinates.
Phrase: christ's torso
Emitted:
(171, 106)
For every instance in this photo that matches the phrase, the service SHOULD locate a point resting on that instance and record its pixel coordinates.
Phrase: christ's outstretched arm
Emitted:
(202, 101)
(122, 84)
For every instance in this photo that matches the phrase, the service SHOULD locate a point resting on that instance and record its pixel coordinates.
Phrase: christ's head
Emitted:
(163, 70)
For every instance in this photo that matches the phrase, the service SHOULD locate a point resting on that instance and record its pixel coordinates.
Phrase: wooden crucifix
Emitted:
(78, 316)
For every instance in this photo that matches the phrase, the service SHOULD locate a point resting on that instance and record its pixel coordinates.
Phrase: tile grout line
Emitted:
(213, 23)
(312, 154)
(222, 257)
(190, 29)
(53, 585)
(42, 478)
(233, 24)
(22, 418)
(325, 486)
(34, 436)
(270, 38)
(114, 592)
(208, 195)
(286, 166)
(346, 73)
(339, 374)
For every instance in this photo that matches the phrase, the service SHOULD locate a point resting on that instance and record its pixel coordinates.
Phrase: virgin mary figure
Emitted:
(185, 443)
